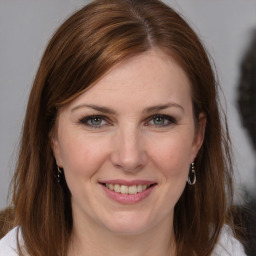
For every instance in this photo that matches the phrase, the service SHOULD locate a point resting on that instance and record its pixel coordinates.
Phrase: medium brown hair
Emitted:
(83, 49)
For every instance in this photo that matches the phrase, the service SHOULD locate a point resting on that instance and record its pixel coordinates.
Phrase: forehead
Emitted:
(152, 77)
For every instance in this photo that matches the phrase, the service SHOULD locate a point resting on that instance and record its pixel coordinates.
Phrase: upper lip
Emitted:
(127, 182)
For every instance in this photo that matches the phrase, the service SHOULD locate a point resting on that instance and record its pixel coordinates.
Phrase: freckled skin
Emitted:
(128, 145)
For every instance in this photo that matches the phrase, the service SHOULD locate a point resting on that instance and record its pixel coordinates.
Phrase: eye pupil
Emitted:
(159, 121)
(96, 121)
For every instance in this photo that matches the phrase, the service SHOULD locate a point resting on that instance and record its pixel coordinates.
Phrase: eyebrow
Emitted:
(110, 111)
(161, 107)
(104, 110)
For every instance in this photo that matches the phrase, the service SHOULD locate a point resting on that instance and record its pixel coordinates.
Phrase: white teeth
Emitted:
(117, 188)
(133, 190)
(123, 189)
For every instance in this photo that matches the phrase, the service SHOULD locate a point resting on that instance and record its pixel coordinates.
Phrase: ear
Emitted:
(55, 145)
(199, 135)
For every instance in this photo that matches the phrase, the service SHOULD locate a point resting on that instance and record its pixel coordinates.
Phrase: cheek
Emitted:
(82, 159)
(173, 160)
(81, 156)
(173, 156)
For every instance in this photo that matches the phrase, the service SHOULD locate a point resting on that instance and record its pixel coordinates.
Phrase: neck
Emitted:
(94, 240)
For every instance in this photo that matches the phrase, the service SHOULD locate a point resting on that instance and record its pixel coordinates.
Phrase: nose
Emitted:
(129, 152)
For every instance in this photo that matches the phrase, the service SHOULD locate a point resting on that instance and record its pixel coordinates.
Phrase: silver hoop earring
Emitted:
(192, 173)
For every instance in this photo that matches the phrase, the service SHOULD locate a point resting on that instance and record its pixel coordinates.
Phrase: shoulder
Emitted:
(8, 244)
(228, 245)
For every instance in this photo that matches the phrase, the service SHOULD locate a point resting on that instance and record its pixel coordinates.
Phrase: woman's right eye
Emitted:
(94, 121)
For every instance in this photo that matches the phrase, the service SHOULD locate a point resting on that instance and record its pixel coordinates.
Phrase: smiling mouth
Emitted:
(128, 190)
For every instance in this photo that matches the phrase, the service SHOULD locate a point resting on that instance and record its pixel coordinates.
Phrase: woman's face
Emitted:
(126, 145)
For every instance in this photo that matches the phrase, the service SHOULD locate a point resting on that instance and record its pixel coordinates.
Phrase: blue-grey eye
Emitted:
(159, 121)
(162, 120)
(93, 121)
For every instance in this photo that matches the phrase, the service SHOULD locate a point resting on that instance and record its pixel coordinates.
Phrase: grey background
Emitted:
(225, 27)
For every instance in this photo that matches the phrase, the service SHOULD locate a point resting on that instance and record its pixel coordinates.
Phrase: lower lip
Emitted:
(127, 198)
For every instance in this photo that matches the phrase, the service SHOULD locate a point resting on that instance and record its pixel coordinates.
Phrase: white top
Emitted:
(227, 246)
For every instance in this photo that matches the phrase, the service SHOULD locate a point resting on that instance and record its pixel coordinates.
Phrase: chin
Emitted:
(128, 225)
(127, 230)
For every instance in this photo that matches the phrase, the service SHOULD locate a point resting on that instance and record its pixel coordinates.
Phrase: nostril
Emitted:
(128, 162)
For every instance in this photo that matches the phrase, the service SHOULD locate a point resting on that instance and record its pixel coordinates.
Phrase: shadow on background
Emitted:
(247, 110)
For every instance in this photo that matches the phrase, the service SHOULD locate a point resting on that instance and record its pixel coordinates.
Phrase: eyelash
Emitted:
(170, 120)
(85, 121)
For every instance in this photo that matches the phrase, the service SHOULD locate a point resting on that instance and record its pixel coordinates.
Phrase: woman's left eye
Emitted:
(161, 120)
(94, 121)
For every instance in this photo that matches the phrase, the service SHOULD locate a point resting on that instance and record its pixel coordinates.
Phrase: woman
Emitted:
(123, 150)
